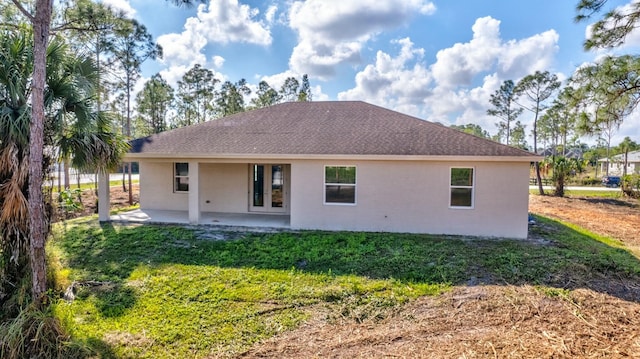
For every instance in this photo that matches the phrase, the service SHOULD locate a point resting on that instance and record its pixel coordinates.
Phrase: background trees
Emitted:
(131, 46)
(472, 129)
(505, 108)
(536, 89)
(606, 92)
(196, 93)
(154, 102)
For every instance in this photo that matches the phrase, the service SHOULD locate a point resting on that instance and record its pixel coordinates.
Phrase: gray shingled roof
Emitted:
(633, 156)
(320, 128)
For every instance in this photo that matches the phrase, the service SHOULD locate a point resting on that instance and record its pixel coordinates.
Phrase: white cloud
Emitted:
(217, 61)
(392, 81)
(185, 48)
(227, 21)
(270, 14)
(457, 87)
(223, 21)
(459, 64)
(122, 5)
(333, 32)
(520, 58)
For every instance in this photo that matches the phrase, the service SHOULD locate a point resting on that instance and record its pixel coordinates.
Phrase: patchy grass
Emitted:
(595, 193)
(86, 186)
(617, 194)
(169, 291)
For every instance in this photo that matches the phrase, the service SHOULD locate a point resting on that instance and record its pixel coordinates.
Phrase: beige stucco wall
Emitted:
(393, 196)
(413, 196)
(223, 187)
(156, 188)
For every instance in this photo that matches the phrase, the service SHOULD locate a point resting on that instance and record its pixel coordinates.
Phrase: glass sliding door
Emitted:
(277, 186)
(258, 186)
(268, 188)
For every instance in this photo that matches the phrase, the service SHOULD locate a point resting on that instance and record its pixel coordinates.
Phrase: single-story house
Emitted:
(338, 165)
(616, 165)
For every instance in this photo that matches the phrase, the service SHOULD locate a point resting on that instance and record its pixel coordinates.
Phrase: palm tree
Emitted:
(70, 124)
(40, 21)
(626, 146)
(563, 168)
(16, 58)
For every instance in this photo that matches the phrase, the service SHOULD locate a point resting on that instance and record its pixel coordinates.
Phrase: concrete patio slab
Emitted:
(206, 218)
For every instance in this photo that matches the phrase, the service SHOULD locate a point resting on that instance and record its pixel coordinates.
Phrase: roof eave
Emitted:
(343, 157)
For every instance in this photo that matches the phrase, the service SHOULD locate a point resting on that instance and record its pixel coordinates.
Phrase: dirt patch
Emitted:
(476, 322)
(494, 321)
(119, 198)
(615, 218)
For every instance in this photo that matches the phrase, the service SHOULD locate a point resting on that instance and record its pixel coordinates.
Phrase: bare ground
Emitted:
(615, 218)
(491, 321)
(476, 322)
(118, 199)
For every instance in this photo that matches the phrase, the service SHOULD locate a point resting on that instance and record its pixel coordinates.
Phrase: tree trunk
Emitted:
(560, 186)
(130, 191)
(124, 178)
(37, 225)
(129, 132)
(535, 150)
(539, 178)
(67, 173)
(59, 177)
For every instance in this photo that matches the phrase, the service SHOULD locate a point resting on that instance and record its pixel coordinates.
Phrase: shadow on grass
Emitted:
(559, 256)
(111, 299)
(611, 201)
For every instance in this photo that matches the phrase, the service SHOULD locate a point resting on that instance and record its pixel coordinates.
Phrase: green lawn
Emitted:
(173, 292)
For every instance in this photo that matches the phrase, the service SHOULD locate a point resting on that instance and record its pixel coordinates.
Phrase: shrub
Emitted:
(590, 181)
(69, 202)
(36, 333)
(631, 185)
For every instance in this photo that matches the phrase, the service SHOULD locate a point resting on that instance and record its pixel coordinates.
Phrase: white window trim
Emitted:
(325, 184)
(473, 188)
(175, 176)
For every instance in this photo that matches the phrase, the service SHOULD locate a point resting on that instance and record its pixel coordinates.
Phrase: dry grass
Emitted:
(616, 218)
(495, 321)
(477, 322)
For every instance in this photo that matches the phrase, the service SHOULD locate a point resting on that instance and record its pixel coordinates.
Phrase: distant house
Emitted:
(337, 166)
(616, 165)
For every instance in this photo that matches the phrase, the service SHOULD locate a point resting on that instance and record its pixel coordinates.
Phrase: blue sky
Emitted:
(437, 60)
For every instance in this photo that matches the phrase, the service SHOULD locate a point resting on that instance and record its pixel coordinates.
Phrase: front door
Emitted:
(267, 188)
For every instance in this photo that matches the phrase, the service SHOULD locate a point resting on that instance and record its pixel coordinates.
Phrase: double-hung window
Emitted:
(340, 184)
(461, 187)
(181, 177)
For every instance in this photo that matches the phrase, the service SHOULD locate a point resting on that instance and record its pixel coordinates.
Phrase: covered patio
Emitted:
(252, 220)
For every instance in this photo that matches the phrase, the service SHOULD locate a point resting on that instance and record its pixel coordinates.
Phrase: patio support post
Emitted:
(104, 204)
(194, 192)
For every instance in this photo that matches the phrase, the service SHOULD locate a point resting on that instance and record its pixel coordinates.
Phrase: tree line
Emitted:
(201, 97)
(594, 102)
